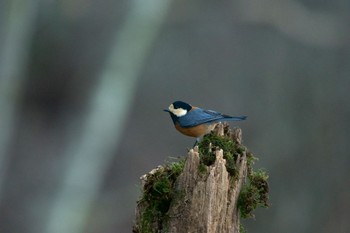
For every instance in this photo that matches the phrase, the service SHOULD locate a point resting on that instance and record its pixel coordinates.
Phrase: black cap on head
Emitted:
(183, 105)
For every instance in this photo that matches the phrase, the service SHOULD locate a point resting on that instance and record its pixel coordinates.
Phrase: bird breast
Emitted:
(196, 131)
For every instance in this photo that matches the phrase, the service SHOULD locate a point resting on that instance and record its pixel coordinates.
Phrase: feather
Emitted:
(199, 116)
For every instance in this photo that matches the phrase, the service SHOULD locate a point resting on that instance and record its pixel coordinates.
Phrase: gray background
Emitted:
(83, 85)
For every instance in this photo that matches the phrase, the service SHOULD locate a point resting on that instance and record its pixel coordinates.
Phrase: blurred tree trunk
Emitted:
(89, 156)
(208, 199)
(16, 31)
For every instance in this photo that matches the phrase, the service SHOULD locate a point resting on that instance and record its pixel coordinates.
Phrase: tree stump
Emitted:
(201, 193)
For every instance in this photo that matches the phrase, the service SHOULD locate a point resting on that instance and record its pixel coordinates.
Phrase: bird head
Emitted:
(178, 109)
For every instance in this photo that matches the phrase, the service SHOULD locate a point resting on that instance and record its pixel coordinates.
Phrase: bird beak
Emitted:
(166, 110)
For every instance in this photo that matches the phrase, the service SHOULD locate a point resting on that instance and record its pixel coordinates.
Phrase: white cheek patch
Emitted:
(179, 112)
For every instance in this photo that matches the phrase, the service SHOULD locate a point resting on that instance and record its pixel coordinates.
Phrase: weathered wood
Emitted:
(208, 195)
(210, 201)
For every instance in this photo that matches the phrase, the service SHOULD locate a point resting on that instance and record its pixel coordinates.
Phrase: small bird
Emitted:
(196, 122)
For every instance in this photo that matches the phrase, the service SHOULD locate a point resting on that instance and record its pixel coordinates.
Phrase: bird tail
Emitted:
(230, 118)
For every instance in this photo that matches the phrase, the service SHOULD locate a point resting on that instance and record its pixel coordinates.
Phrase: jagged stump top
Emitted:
(202, 192)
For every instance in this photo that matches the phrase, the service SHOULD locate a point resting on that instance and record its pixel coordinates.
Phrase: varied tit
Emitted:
(196, 122)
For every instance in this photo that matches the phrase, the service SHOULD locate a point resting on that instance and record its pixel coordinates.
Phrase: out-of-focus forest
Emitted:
(83, 85)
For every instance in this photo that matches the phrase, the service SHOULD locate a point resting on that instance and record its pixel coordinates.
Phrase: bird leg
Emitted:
(196, 142)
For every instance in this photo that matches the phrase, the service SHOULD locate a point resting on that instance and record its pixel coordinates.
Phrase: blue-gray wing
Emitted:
(199, 116)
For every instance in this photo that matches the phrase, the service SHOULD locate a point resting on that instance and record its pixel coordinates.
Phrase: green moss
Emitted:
(157, 196)
(176, 168)
(242, 229)
(211, 142)
(202, 169)
(254, 194)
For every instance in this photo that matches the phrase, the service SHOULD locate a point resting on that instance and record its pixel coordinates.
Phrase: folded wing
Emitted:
(199, 116)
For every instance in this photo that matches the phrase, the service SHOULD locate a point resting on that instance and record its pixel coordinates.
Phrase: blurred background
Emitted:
(83, 85)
